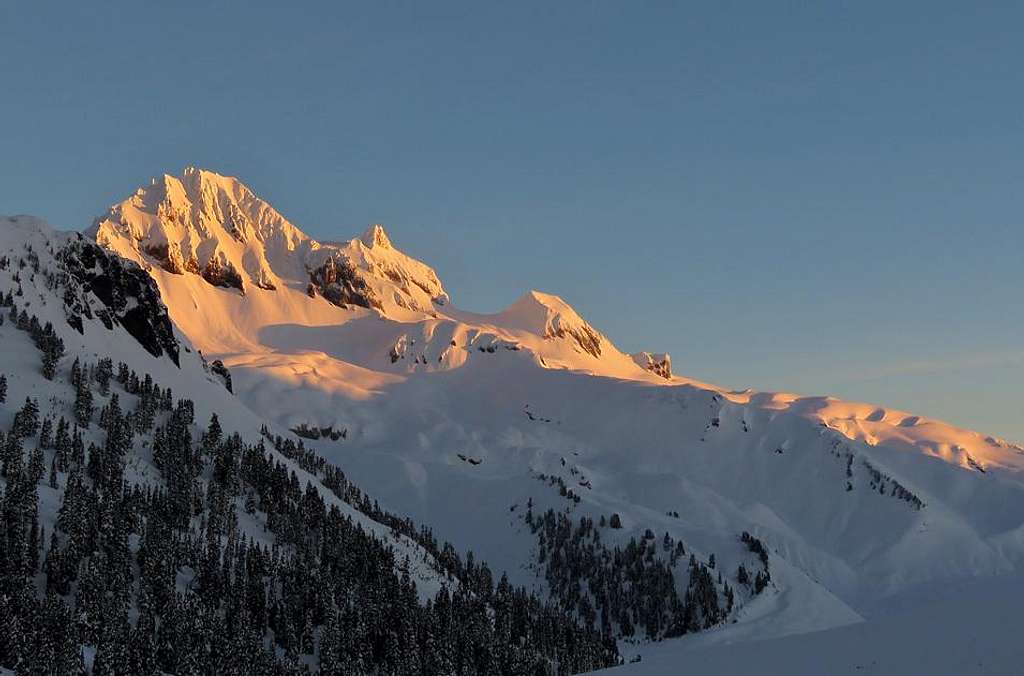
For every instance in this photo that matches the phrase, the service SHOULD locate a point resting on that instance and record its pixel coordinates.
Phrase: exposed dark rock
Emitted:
(587, 338)
(659, 364)
(168, 261)
(338, 282)
(222, 275)
(265, 285)
(218, 368)
(129, 295)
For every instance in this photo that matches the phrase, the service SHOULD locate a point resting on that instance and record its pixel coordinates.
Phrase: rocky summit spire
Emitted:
(376, 237)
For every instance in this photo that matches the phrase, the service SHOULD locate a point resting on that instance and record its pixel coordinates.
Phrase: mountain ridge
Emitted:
(461, 419)
(205, 226)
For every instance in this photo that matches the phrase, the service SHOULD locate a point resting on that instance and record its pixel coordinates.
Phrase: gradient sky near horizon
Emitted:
(817, 197)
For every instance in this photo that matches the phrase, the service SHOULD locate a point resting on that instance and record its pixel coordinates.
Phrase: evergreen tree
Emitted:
(83, 401)
(12, 634)
(52, 348)
(104, 372)
(26, 420)
(36, 465)
(46, 434)
(62, 445)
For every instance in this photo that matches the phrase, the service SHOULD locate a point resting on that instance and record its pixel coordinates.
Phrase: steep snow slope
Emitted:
(109, 314)
(463, 419)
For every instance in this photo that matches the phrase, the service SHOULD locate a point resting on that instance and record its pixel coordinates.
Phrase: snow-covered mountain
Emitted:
(102, 306)
(151, 522)
(647, 504)
(454, 416)
(248, 273)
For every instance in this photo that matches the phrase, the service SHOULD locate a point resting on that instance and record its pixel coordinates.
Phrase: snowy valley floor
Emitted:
(962, 629)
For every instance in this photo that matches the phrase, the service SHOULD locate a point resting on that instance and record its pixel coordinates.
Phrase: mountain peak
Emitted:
(548, 300)
(212, 225)
(551, 317)
(194, 172)
(547, 305)
(376, 237)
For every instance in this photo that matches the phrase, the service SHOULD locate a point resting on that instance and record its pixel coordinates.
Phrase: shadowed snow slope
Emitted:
(968, 630)
(462, 419)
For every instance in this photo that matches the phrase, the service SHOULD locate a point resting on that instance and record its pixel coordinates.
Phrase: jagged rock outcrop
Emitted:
(585, 336)
(129, 296)
(338, 282)
(222, 274)
(218, 369)
(659, 363)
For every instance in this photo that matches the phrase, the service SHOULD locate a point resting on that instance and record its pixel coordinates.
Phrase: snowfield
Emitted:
(960, 629)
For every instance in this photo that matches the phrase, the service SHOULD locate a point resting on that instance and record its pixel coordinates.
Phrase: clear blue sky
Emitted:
(819, 197)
